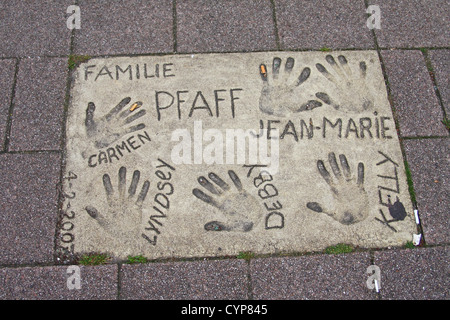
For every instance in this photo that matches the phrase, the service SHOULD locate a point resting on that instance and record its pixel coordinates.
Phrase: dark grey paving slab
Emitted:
(418, 274)
(7, 70)
(51, 283)
(429, 161)
(223, 26)
(34, 28)
(311, 277)
(317, 24)
(39, 104)
(124, 27)
(28, 207)
(440, 60)
(416, 104)
(199, 280)
(413, 24)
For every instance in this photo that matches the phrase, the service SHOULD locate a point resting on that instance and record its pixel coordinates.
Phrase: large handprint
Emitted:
(113, 125)
(279, 95)
(123, 218)
(240, 210)
(353, 92)
(350, 197)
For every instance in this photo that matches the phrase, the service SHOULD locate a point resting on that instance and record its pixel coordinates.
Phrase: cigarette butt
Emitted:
(263, 70)
(135, 106)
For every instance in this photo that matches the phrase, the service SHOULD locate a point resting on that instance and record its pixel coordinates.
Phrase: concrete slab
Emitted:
(213, 154)
(429, 160)
(313, 24)
(214, 26)
(124, 27)
(412, 24)
(34, 28)
(197, 280)
(38, 104)
(418, 274)
(313, 277)
(29, 209)
(59, 283)
(7, 70)
(440, 60)
(416, 104)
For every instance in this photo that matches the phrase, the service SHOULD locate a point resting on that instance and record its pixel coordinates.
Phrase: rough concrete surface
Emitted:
(37, 116)
(29, 207)
(199, 280)
(414, 274)
(150, 147)
(311, 277)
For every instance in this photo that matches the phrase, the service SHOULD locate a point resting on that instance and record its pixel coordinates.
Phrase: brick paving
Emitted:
(413, 45)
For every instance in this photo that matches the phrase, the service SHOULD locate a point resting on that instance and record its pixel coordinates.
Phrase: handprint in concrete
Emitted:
(239, 210)
(351, 205)
(351, 86)
(122, 217)
(115, 124)
(280, 91)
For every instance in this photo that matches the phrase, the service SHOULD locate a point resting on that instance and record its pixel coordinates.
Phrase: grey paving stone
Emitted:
(311, 277)
(418, 274)
(198, 280)
(7, 70)
(317, 24)
(34, 28)
(429, 161)
(415, 101)
(51, 283)
(124, 27)
(440, 60)
(223, 26)
(413, 23)
(28, 207)
(39, 104)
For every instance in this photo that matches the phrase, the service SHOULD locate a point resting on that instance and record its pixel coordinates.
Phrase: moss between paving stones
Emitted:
(94, 259)
(136, 259)
(339, 248)
(76, 60)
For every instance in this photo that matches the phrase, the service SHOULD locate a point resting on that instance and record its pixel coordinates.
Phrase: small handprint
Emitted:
(240, 210)
(279, 94)
(113, 125)
(351, 86)
(349, 194)
(123, 218)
